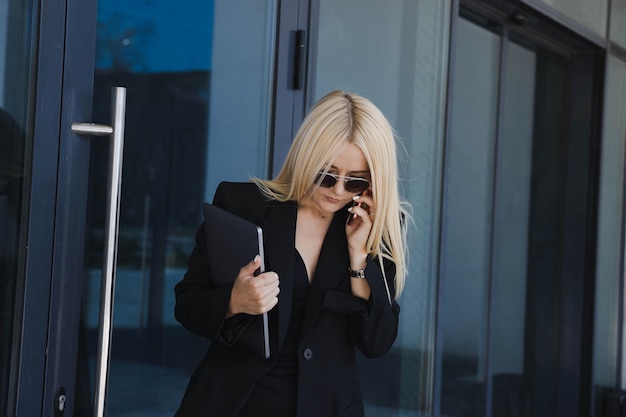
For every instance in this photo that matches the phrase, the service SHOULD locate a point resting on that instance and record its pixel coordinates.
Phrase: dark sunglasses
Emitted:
(351, 184)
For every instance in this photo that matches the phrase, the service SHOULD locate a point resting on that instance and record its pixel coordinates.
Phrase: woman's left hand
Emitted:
(358, 229)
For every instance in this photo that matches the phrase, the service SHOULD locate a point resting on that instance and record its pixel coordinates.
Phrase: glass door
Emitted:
(199, 107)
(517, 219)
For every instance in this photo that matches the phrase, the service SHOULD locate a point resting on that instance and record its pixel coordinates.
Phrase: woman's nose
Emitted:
(340, 187)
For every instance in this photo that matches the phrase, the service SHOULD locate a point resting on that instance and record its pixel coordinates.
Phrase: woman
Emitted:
(335, 249)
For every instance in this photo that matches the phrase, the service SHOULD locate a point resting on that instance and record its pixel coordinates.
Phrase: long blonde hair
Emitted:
(336, 120)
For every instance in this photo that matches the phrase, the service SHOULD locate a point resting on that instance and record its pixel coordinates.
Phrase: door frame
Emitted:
(66, 274)
(41, 208)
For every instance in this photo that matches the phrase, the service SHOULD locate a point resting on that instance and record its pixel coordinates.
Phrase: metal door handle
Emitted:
(91, 129)
(105, 320)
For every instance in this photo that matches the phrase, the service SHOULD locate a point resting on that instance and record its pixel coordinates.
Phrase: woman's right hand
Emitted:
(253, 294)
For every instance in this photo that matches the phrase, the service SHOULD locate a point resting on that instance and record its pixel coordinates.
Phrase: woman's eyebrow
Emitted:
(364, 171)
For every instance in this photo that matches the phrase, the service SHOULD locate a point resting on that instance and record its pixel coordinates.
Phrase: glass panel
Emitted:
(17, 25)
(199, 81)
(466, 243)
(618, 22)
(502, 241)
(511, 225)
(609, 248)
(592, 14)
(395, 53)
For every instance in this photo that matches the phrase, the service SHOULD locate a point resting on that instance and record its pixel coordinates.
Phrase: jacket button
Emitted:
(308, 354)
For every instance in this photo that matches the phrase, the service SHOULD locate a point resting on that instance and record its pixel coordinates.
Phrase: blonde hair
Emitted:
(336, 120)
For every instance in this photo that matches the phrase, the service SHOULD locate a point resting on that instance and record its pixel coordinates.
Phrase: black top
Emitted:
(280, 383)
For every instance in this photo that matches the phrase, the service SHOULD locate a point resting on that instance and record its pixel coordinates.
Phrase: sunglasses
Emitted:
(351, 184)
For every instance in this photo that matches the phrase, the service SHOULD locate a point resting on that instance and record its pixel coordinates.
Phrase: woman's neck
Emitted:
(309, 211)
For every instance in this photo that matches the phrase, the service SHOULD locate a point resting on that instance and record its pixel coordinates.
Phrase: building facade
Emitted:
(511, 119)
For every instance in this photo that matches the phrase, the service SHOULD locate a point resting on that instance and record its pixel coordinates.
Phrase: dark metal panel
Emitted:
(587, 98)
(289, 101)
(68, 270)
(300, 103)
(34, 319)
(314, 25)
(284, 94)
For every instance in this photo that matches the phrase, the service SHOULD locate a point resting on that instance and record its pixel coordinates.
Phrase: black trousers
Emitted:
(259, 406)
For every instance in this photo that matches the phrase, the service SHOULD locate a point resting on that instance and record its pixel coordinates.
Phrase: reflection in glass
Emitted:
(466, 237)
(511, 223)
(12, 141)
(592, 14)
(609, 268)
(618, 22)
(16, 50)
(503, 236)
(198, 110)
(394, 52)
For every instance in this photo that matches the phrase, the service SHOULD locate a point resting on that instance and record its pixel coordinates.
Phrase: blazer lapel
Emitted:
(332, 267)
(279, 225)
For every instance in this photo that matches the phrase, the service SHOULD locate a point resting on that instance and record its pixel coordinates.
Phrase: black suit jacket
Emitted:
(335, 322)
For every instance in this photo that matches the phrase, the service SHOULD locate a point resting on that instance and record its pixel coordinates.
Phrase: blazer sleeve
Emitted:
(372, 323)
(201, 306)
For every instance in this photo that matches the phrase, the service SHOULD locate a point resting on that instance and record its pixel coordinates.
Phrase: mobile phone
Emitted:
(354, 204)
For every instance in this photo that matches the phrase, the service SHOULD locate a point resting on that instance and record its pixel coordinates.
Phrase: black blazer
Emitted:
(335, 322)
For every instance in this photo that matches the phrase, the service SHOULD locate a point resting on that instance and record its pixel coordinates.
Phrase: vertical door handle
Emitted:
(105, 320)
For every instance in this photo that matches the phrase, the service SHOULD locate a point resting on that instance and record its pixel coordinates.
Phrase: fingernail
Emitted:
(350, 209)
(256, 258)
(356, 197)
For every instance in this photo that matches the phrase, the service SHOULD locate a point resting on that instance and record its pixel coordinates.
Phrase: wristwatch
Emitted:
(357, 273)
